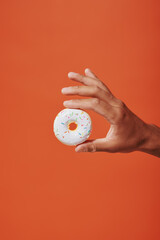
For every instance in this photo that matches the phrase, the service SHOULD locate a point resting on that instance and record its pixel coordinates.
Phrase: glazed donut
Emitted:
(72, 126)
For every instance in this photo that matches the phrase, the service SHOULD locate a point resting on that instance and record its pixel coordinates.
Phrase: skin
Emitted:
(127, 131)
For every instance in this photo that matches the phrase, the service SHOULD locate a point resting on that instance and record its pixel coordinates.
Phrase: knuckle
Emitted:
(120, 103)
(76, 88)
(92, 148)
(121, 113)
(96, 89)
(95, 101)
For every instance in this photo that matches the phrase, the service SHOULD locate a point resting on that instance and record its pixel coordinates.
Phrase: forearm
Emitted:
(151, 144)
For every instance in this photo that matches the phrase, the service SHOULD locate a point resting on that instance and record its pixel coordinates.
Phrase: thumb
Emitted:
(93, 145)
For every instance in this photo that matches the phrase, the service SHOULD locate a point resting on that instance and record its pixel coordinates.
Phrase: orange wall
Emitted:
(48, 191)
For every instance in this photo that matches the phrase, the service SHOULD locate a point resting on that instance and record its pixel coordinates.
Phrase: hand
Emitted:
(127, 132)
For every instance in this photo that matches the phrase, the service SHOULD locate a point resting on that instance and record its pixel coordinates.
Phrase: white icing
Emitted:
(72, 137)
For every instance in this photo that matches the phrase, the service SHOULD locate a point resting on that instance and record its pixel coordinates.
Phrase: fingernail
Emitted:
(82, 149)
(65, 90)
(71, 74)
(66, 103)
(88, 70)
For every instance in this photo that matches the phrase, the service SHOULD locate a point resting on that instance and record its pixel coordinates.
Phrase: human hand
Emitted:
(127, 131)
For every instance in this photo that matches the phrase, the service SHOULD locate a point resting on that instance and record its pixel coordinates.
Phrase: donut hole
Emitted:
(72, 126)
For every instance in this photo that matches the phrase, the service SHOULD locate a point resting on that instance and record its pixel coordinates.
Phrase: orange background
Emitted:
(48, 191)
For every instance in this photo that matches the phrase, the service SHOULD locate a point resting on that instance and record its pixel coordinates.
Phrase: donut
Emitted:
(72, 126)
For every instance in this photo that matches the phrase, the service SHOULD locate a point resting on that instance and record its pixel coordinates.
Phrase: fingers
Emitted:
(103, 101)
(90, 81)
(88, 91)
(93, 146)
(94, 104)
(83, 79)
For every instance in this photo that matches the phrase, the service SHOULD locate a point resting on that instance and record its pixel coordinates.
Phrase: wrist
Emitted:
(151, 143)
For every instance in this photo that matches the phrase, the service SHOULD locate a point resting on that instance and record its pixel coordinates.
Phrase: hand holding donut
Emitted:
(127, 131)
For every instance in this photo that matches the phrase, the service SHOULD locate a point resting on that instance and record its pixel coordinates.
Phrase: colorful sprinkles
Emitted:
(68, 136)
